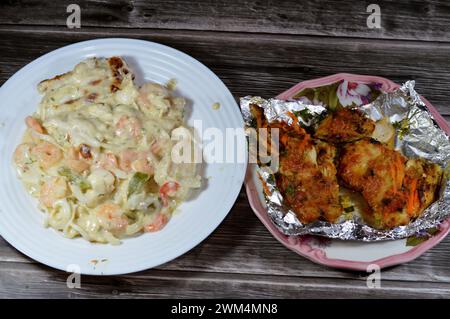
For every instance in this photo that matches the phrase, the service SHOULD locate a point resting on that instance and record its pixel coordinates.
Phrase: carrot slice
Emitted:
(413, 197)
(265, 188)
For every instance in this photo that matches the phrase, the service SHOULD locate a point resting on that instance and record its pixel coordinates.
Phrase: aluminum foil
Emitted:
(421, 137)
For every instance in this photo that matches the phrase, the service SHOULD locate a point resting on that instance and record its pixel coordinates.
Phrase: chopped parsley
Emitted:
(416, 240)
(305, 114)
(403, 126)
(290, 191)
(75, 179)
(349, 209)
(137, 182)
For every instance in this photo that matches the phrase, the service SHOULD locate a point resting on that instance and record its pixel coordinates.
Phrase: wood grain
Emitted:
(261, 64)
(31, 280)
(242, 246)
(402, 19)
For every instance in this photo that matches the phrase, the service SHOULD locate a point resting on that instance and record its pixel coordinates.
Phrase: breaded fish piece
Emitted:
(377, 172)
(422, 180)
(345, 125)
(307, 179)
(396, 189)
(307, 174)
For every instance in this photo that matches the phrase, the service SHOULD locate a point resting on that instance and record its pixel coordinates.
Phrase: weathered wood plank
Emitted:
(262, 64)
(424, 20)
(242, 245)
(32, 281)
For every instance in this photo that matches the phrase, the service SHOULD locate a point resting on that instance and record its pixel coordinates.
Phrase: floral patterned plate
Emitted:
(345, 89)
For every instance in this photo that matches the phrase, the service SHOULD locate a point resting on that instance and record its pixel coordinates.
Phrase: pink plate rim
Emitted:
(316, 254)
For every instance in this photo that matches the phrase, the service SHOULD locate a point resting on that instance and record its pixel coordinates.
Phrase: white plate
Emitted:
(21, 223)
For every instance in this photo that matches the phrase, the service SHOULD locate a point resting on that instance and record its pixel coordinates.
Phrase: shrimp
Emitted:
(143, 165)
(75, 160)
(35, 125)
(22, 155)
(52, 190)
(46, 154)
(128, 127)
(107, 161)
(76, 165)
(137, 161)
(158, 223)
(110, 216)
(156, 148)
(150, 89)
(127, 157)
(168, 189)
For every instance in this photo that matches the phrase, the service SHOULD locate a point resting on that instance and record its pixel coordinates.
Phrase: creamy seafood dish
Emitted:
(98, 153)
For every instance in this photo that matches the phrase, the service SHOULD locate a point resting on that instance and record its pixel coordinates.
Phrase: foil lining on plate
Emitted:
(421, 138)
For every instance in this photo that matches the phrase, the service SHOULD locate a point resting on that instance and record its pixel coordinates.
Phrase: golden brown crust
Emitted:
(345, 125)
(117, 68)
(397, 190)
(307, 174)
(422, 180)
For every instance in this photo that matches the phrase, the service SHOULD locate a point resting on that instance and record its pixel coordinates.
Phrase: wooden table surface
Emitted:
(257, 47)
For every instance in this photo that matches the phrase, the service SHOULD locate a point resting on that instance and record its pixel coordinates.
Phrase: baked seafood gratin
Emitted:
(98, 153)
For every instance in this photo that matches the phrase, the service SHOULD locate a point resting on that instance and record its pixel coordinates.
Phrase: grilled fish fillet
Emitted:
(307, 174)
(396, 189)
(345, 125)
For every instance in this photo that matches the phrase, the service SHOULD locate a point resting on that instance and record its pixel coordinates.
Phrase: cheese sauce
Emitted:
(98, 153)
